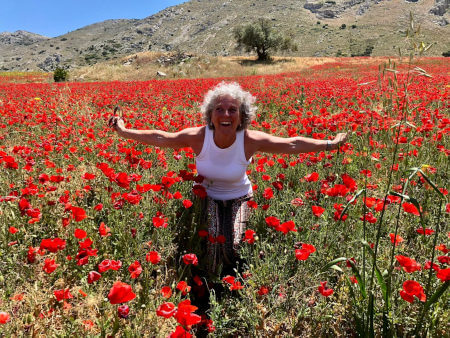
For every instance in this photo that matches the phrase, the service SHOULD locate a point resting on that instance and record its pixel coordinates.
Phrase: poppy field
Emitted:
(100, 235)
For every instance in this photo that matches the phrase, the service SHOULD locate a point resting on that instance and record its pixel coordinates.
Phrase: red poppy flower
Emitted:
(410, 289)
(122, 180)
(166, 310)
(78, 214)
(326, 292)
(180, 332)
(408, 264)
(304, 253)
(349, 182)
(297, 202)
(108, 264)
(120, 293)
(12, 230)
(252, 204)
(313, 177)
(410, 208)
(4, 317)
(444, 259)
(49, 265)
(268, 193)
(53, 245)
(199, 190)
(62, 294)
(369, 217)
(153, 257)
(190, 259)
(93, 276)
(272, 221)
(187, 204)
(249, 236)
(427, 231)
(88, 176)
(183, 287)
(166, 291)
(80, 233)
(103, 230)
(396, 240)
(98, 207)
(443, 275)
(135, 269)
(184, 314)
(317, 210)
(286, 227)
(159, 222)
(263, 290)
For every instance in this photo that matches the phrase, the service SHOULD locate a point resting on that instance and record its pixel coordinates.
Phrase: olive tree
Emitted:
(261, 38)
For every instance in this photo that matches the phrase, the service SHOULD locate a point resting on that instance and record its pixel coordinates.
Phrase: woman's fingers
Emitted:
(113, 120)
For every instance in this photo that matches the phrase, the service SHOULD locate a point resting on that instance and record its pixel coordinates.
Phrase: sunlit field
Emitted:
(100, 235)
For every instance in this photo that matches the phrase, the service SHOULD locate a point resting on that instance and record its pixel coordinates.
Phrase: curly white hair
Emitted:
(233, 89)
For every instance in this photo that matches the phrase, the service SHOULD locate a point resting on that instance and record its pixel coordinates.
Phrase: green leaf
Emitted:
(361, 282)
(337, 268)
(333, 262)
(394, 193)
(378, 274)
(349, 202)
(432, 184)
(438, 293)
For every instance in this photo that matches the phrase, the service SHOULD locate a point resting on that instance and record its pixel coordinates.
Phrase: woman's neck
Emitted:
(223, 141)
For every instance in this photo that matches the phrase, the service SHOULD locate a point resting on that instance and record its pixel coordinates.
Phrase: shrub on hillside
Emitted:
(60, 75)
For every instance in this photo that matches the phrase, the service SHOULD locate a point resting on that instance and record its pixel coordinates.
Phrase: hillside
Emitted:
(319, 28)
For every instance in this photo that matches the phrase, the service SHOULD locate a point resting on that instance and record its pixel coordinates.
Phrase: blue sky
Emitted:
(53, 18)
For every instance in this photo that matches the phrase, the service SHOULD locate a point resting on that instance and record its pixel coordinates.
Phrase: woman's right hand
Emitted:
(116, 122)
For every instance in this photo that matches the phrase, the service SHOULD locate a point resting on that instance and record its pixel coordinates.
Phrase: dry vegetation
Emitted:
(144, 66)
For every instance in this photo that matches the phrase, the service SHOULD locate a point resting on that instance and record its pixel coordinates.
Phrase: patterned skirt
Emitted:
(226, 222)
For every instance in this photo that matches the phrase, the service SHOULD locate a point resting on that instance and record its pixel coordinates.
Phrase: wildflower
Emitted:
(121, 293)
(303, 253)
(4, 317)
(93, 276)
(190, 259)
(153, 257)
(395, 239)
(166, 310)
(135, 269)
(410, 289)
(123, 311)
(326, 292)
(408, 264)
(317, 210)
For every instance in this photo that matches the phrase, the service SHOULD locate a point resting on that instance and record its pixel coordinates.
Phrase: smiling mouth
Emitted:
(225, 124)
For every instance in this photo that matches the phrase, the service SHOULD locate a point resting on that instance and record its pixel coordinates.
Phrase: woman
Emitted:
(224, 148)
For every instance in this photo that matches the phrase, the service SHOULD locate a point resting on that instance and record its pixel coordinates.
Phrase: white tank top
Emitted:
(224, 170)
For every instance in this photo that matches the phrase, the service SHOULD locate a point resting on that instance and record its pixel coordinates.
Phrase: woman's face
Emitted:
(225, 115)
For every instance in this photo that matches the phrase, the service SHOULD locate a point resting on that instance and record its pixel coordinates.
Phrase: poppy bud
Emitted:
(261, 254)
(123, 311)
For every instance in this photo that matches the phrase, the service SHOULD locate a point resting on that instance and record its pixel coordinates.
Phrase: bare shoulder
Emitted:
(193, 131)
(253, 140)
(260, 141)
(193, 137)
(256, 135)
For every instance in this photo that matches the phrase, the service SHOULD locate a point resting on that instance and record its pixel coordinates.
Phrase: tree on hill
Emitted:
(261, 38)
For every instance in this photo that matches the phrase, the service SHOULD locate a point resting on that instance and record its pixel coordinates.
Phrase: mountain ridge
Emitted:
(319, 28)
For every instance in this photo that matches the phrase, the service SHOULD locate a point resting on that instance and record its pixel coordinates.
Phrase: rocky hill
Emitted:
(319, 28)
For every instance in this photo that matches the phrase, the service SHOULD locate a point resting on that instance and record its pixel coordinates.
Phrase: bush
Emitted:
(60, 75)
(262, 38)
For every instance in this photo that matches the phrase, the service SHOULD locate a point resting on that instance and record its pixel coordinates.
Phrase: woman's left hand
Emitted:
(339, 140)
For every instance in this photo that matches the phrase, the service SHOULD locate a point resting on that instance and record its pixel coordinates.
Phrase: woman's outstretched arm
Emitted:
(263, 142)
(185, 138)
